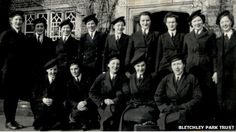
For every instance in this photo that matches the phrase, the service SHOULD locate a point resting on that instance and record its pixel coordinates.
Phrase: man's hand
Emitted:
(108, 101)
(214, 77)
(47, 101)
(82, 106)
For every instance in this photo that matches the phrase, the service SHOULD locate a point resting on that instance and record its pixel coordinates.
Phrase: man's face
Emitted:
(39, 28)
(225, 24)
(119, 27)
(16, 22)
(171, 23)
(145, 21)
(177, 67)
(66, 30)
(197, 23)
(91, 26)
(52, 71)
(74, 70)
(140, 67)
(114, 65)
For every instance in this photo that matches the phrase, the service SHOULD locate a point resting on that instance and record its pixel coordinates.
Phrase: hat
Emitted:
(138, 58)
(119, 19)
(66, 22)
(195, 14)
(15, 13)
(225, 13)
(40, 20)
(112, 57)
(171, 14)
(176, 57)
(89, 18)
(50, 64)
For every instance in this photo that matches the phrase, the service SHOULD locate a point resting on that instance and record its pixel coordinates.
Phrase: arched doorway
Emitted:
(159, 25)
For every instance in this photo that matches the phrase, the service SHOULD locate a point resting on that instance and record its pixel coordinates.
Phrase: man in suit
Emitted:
(67, 47)
(169, 44)
(15, 66)
(82, 111)
(225, 67)
(176, 96)
(143, 41)
(43, 47)
(116, 43)
(48, 97)
(92, 46)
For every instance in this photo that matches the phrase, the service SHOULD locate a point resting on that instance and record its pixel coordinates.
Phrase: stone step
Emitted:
(23, 108)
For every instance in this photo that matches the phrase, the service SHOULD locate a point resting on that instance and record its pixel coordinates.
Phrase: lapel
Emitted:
(133, 83)
(116, 45)
(182, 84)
(173, 85)
(149, 37)
(169, 39)
(232, 42)
(107, 82)
(193, 38)
(140, 38)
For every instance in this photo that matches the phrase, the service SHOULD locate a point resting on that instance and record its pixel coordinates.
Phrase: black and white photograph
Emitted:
(117, 65)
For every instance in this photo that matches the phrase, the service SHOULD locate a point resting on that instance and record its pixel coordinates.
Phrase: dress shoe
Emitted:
(10, 125)
(19, 126)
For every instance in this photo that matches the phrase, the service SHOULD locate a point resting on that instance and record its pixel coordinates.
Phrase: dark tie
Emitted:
(226, 37)
(38, 39)
(172, 36)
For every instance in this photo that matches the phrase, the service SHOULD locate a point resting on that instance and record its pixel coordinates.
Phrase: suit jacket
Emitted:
(15, 61)
(148, 45)
(42, 52)
(225, 66)
(112, 47)
(167, 48)
(67, 51)
(78, 91)
(199, 50)
(92, 49)
(185, 95)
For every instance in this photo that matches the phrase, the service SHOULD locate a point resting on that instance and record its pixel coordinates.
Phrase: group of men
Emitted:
(56, 77)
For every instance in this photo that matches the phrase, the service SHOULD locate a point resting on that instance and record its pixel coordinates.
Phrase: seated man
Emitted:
(176, 95)
(47, 99)
(82, 111)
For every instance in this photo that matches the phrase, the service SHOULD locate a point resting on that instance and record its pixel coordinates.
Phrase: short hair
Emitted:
(40, 20)
(171, 15)
(145, 13)
(17, 13)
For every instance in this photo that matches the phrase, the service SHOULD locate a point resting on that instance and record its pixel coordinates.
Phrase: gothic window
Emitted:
(28, 24)
(56, 19)
(71, 15)
(44, 16)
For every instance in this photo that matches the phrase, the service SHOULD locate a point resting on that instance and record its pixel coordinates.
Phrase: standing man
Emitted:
(14, 64)
(225, 69)
(92, 46)
(169, 44)
(67, 47)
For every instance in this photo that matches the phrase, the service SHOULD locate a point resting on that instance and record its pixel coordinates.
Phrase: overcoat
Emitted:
(78, 91)
(182, 96)
(47, 116)
(225, 67)
(102, 89)
(141, 106)
(115, 47)
(199, 50)
(92, 52)
(139, 43)
(67, 51)
(168, 47)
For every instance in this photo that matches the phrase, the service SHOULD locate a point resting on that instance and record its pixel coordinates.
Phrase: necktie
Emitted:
(226, 37)
(172, 36)
(64, 39)
(92, 34)
(38, 39)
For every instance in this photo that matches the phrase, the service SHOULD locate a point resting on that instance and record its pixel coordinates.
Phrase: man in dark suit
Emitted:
(67, 47)
(47, 99)
(176, 96)
(225, 67)
(92, 46)
(116, 43)
(82, 111)
(143, 41)
(169, 44)
(15, 66)
(43, 47)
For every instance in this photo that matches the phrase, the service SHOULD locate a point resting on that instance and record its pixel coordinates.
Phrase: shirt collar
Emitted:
(112, 75)
(229, 33)
(79, 77)
(146, 31)
(139, 76)
(178, 76)
(17, 30)
(172, 33)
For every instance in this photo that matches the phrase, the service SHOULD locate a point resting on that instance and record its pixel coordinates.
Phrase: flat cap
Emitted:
(119, 19)
(89, 18)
